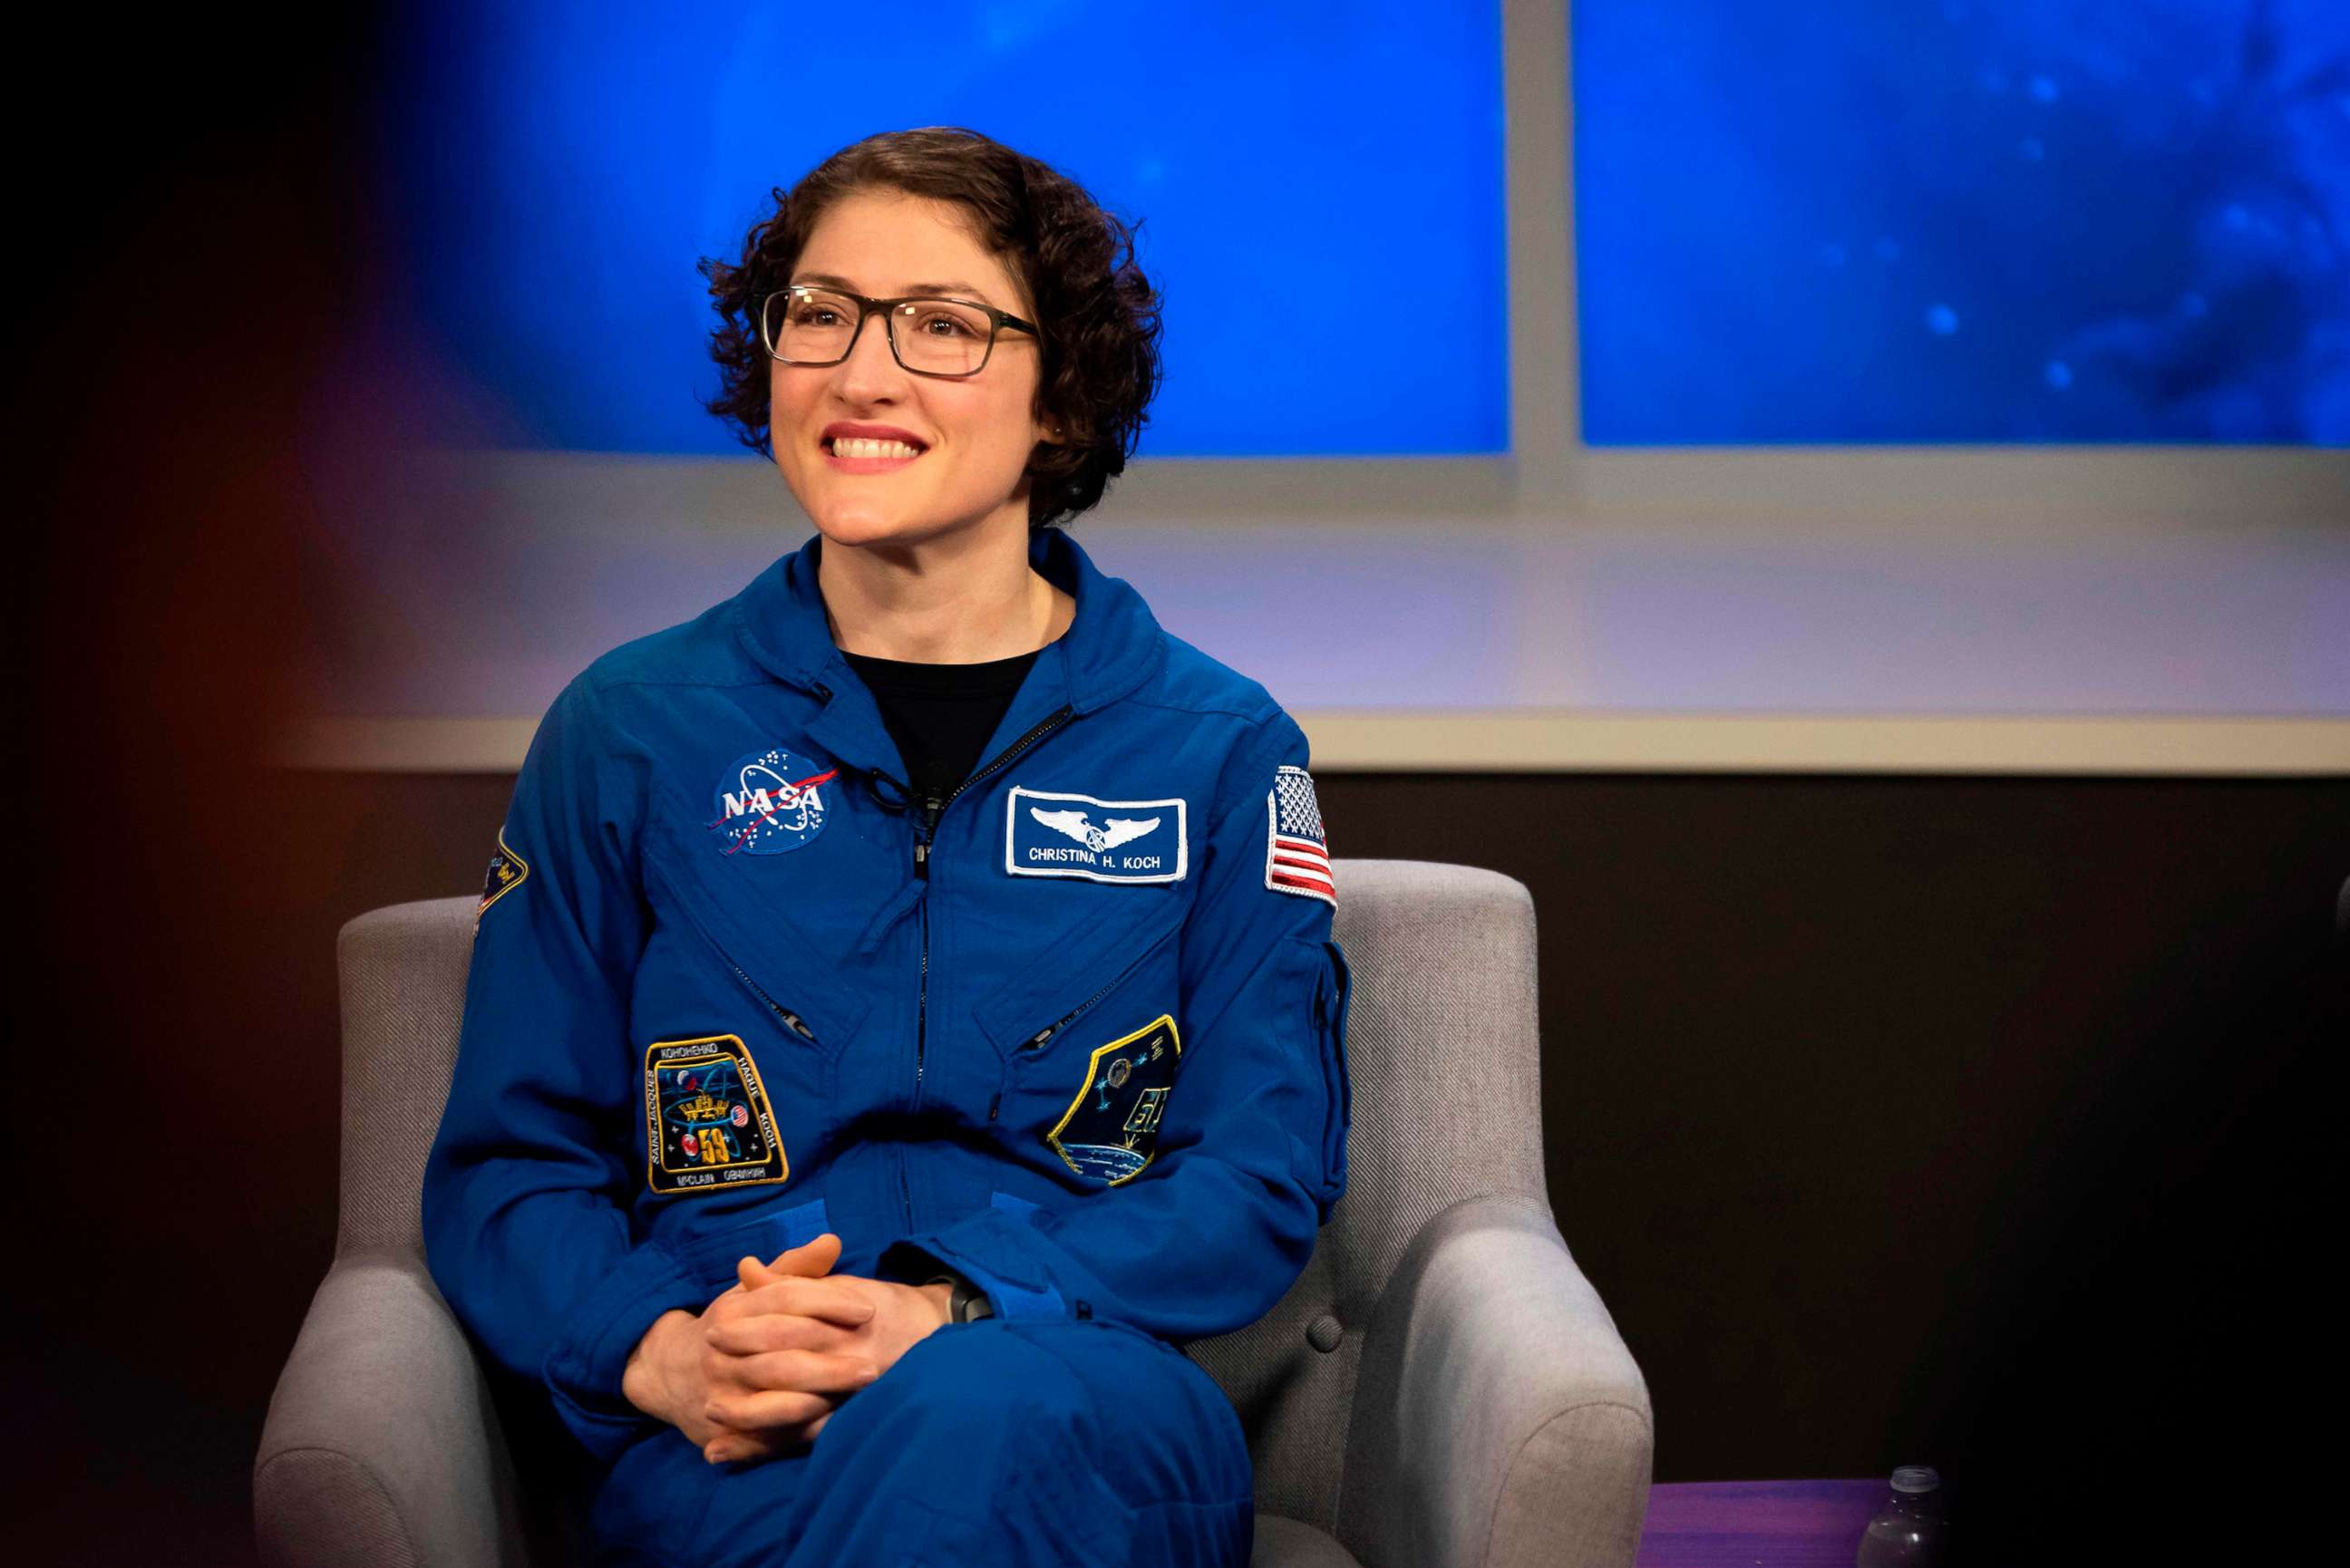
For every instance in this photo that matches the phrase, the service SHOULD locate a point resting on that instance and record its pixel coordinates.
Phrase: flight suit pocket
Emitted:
(761, 959)
(1321, 1165)
(708, 1257)
(1089, 1068)
(1027, 1015)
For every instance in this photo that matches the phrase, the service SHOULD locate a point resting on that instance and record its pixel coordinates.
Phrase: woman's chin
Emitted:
(858, 525)
(855, 528)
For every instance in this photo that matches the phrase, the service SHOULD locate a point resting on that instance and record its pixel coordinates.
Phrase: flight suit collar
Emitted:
(1111, 647)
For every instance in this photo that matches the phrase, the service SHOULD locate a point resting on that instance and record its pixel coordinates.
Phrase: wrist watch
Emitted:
(966, 1303)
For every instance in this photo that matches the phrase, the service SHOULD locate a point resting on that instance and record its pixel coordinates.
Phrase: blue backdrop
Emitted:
(1859, 221)
(1309, 177)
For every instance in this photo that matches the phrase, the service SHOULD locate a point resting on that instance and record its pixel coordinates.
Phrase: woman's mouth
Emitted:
(847, 454)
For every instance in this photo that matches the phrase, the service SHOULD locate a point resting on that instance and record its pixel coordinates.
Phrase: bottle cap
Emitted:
(1916, 1477)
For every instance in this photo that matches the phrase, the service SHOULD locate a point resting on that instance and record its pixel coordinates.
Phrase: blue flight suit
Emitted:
(1074, 1032)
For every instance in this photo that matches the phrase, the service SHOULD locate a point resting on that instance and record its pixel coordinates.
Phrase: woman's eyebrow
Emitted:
(838, 282)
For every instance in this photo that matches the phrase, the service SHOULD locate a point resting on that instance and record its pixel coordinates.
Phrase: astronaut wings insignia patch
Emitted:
(1297, 850)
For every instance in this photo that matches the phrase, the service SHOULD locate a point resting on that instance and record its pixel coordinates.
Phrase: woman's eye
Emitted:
(954, 327)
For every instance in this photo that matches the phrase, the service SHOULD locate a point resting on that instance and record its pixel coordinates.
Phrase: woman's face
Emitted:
(977, 432)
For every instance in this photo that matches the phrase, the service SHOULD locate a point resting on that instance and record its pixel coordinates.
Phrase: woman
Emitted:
(905, 992)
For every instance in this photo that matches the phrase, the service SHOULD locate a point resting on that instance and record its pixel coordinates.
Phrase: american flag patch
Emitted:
(1297, 850)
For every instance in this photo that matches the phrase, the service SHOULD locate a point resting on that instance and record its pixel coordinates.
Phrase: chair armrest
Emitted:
(1499, 1419)
(382, 1446)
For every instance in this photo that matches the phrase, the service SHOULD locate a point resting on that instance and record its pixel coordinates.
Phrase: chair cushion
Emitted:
(1289, 1544)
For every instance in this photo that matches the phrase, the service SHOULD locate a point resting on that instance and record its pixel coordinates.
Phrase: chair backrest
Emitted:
(1441, 1056)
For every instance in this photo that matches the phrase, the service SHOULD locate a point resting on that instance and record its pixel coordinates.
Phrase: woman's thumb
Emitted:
(809, 1259)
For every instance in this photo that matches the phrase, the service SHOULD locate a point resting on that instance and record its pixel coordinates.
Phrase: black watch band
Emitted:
(965, 1303)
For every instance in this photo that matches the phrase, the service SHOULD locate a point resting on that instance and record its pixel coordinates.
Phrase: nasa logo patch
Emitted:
(707, 1122)
(505, 875)
(769, 802)
(1111, 1129)
(1048, 833)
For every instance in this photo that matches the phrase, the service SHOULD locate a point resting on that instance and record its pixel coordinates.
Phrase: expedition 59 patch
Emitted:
(708, 1125)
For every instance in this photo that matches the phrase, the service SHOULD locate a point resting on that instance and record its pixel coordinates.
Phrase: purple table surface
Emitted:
(1759, 1524)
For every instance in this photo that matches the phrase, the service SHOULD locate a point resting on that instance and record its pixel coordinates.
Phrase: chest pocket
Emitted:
(1091, 1044)
(1027, 1015)
(773, 965)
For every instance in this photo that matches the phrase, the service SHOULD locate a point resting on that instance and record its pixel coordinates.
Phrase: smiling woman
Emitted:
(920, 940)
(1001, 230)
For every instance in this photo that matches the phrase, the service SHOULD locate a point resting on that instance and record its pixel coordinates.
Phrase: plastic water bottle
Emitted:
(1908, 1531)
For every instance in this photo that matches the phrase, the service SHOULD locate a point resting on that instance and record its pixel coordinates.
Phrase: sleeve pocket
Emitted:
(1331, 990)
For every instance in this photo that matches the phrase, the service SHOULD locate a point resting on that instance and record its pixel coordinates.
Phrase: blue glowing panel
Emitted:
(1318, 186)
(1862, 221)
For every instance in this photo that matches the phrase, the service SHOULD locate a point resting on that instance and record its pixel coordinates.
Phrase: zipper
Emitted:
(792, 1020)
(1036, 1041)
(922, 870)
(932, 808)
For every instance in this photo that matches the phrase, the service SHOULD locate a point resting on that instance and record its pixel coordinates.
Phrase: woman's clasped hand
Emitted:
(757, 1374)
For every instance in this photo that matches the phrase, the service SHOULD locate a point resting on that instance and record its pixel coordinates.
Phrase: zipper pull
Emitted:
(799, 1025)
(993, 1103)
(1040, 1037)
(931, 809)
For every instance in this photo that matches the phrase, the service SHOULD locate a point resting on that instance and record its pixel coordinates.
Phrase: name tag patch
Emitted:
(1049, 833)
(707, 1122)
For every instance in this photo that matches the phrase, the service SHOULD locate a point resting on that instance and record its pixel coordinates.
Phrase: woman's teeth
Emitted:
(847, 446)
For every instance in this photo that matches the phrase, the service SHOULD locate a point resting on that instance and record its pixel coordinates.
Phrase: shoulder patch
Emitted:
(505, 875)
(708, 1125)
(1297, 850)
(1111, 1131)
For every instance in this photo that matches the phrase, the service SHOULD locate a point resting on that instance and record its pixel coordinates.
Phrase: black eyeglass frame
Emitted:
(866, 308)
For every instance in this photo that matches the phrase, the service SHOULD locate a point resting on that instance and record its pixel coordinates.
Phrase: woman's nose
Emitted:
(871, 341)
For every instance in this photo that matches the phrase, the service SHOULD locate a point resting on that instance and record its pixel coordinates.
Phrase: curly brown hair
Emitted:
(1097, 314)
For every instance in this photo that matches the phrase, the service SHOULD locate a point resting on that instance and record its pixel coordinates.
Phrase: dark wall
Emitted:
(1959, 1121)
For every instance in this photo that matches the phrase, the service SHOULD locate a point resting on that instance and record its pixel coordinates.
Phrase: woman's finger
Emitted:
(758, 1411)
(734, 1447)
(811, 1256)
(750, 1336)
(767, 1332)
(814, 1370)
(811, 1298)
(809, 1259)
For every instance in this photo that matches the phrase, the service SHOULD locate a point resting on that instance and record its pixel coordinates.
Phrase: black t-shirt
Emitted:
(941, 714)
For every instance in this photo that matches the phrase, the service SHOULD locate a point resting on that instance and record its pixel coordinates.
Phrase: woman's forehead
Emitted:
(882, 246)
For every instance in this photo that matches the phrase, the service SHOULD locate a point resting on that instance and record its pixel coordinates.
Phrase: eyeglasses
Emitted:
(803, 326)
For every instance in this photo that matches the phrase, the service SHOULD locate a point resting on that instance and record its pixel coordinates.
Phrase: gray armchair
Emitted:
(1442, 1388)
